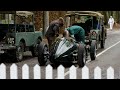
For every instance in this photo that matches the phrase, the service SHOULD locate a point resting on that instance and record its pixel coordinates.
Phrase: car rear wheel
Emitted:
(34, 49)
(43, 54)
(81, 55)
(93, 50)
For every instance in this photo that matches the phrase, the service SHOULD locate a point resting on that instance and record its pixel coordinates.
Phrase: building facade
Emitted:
(53, 15)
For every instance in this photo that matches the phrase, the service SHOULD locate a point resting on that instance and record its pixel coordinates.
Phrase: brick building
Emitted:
(38, 17)
(52, 16)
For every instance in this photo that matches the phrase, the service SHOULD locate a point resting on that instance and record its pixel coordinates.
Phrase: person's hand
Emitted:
(70, 39)
(56, 35)
(60, 36)
(57, 39)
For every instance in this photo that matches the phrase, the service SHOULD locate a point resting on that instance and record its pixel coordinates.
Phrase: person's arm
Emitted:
(66, 34)
(71, 33)
(56, 30)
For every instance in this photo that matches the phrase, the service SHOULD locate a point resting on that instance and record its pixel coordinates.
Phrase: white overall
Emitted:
(111, 23)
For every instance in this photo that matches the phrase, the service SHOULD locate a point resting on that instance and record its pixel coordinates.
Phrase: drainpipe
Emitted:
(45, 21)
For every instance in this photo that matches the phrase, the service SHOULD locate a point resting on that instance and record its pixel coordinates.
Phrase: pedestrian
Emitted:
(76, 32)
(111, 22)
(53, 30)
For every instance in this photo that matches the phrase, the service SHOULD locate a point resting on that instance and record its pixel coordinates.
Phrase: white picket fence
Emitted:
(49, 72)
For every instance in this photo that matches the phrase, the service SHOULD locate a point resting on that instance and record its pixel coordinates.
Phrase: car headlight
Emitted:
(10, 40)
(87, 39)
(93, 35)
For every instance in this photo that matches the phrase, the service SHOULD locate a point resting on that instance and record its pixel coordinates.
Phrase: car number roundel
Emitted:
(68, 44)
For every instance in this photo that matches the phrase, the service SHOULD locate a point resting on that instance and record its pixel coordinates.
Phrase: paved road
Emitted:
(105, 58)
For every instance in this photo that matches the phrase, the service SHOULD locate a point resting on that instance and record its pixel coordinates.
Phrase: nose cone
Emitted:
(62, 48)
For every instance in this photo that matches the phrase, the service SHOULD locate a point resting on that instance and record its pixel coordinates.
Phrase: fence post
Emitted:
(85, 72)
(25, 72)
(97, 73)
(37, 72)
(13, 71)
(60, 72)
(49, 72)
(2, 71)
(110, 73)
(73, 73)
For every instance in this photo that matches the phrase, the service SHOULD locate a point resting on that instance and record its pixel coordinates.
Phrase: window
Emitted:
(72, 20)
(20, 28)
(29, 28)
(67, 20)
(2, 16)
(6, 19)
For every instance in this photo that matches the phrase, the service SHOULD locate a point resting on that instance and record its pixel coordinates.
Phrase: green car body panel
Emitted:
(24, 32)
(29, 37)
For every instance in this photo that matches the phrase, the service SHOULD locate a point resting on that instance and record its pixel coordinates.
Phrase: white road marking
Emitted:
(88, 61)
(107, 49)
(96, 56)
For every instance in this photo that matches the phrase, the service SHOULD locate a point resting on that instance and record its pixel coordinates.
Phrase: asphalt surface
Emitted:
(110, 56)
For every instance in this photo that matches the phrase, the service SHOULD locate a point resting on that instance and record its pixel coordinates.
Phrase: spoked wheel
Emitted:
(93, 50)
(43, 54)
(81, 55)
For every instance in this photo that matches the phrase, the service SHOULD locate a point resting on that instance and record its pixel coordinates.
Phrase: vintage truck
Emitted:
(91, 21)
(94, 26)
(17, 37)
(65, 50)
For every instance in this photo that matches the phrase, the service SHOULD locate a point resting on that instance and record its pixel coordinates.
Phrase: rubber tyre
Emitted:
(102, 44)
(41, 59)
(93, 50)
(81, 55)
(34, 51)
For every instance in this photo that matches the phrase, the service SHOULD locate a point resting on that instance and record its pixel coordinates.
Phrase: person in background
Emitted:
(111, 22)
(52, 33)
(76, 32)
(53, 30)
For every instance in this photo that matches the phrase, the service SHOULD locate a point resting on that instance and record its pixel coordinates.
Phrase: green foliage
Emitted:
(107, 14)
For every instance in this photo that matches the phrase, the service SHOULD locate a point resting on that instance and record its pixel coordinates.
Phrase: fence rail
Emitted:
(49, 72)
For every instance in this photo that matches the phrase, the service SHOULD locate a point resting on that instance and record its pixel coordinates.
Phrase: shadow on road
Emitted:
(65, 65)
(4, 58)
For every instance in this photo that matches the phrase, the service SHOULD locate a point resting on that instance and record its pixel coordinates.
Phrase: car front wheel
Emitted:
(43, 54)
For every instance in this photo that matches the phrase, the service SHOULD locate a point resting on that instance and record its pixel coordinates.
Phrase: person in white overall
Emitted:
(111, 22)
